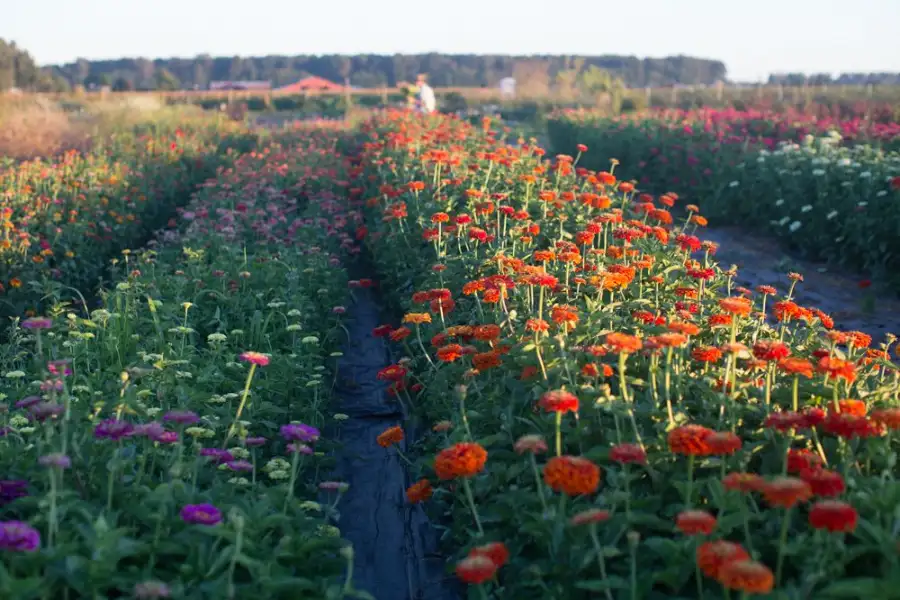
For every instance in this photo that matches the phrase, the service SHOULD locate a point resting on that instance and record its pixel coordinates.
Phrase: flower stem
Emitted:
(471, 499)
(601, 559)
(240, 410)
(782, 540)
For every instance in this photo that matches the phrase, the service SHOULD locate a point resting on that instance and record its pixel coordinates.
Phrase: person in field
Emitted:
(426, 101)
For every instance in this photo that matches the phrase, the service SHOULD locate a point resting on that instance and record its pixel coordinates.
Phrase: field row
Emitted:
(611, 415)
(828, 189)
(168, 442)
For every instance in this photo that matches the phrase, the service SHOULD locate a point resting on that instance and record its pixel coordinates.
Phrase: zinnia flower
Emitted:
(255, 358)
(16, 536)
(746, 576)
(530, 443)
(298, 432)
(689, 440)
(628, 453)
(464, 459)
(559, 401)
(201, 514)
(572, 475)
(785, 492)
(833, 515)
(496, 552)
(419, 491)
(694, 522)
(391, 435)
(712, 556)
(476, 569)
(592, 515)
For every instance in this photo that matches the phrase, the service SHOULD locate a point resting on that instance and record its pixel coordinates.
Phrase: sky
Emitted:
(754, 39)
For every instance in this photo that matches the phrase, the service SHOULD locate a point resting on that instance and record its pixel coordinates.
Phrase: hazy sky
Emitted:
(752, 38)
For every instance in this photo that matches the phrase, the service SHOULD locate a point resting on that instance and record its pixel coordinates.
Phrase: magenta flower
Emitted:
(299, 432)
(298, 448)
(217, 455)
(253, 442)
(16, 536)
(182, 417)
(37, 323)
(45, 410)
(201, 514)
(255, 358)
(113, 429)
(28, 401)
(12, 489)
(56, 460)
(167, 437)
(60, 368)
(239, 465)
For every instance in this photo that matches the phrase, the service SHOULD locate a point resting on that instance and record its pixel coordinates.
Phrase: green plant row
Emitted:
(168, 443)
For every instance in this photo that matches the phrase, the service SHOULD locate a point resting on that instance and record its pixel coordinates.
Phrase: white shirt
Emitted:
(427, 103)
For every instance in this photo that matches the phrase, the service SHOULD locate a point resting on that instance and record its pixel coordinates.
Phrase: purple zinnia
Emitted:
(299, 433)
(28, 401)
(167, 437)
(201, 514)
(217, 454)
(239, 465)
(37, 323)
(299, 448)
(254, 441)
(44, 410)
(182, 417)
(17, 536)
(57, 460)
(12, 489)
(113, 429)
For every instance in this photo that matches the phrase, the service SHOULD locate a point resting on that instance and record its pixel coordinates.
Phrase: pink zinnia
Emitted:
(255, 358)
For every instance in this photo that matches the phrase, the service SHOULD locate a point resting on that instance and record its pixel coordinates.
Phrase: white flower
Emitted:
(806, 208)
(734, 184)
(862, 204)
(865, 175)
(216, 337)
(779, 202)
(831, 215)
(818, 172)
(795, 226)
(784, 221)
(881, 194)
(15, 375)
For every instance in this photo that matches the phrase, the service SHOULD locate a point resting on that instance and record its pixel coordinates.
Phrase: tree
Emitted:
(166, 81)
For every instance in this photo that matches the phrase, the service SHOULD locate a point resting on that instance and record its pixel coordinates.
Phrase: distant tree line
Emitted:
(800, 79)
(535, 74)
(371, 70)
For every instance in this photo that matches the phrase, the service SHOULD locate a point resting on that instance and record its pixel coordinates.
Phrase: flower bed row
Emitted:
(63, 219)
(830, 203)
(612, 417)
(167, 445)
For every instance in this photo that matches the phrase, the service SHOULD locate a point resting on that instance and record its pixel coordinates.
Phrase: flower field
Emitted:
(611, 416)
(607, 413)
(167, 443)
(831, 197)
(63, 219)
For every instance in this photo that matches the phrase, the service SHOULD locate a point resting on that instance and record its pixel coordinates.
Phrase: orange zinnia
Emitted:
(465, 459)
(450, 353)
(419, 491)
(623, 343)
(785, 492)
(572, 475)
(690, 440)
(747, 576)
(712, 556)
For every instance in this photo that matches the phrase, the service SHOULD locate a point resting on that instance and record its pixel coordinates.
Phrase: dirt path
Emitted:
(395, 545)
(762, 261)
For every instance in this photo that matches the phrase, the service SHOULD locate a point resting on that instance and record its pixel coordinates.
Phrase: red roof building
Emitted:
(312, 84)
